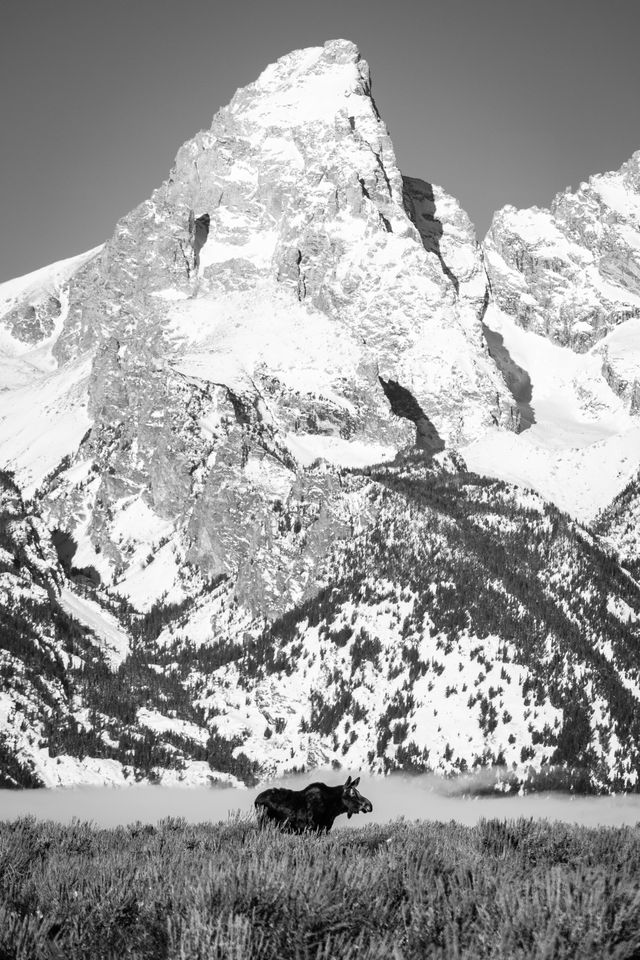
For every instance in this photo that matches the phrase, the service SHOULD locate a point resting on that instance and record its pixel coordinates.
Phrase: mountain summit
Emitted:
(285, 298)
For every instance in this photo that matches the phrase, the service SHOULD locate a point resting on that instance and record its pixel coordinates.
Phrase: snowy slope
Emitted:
(33, 311)
(43, 407)
(465, 624)
(619, 525)
(584, 445)
(77, 706)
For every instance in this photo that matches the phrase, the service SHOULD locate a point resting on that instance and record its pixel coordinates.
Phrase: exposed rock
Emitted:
(32, 322)
(199, 231)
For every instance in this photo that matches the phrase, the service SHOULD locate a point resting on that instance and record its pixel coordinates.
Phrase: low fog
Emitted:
(414, 798)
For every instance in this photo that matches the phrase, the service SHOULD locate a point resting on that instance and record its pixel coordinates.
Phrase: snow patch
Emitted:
(153, 720)
(104, 626)
(306, 448)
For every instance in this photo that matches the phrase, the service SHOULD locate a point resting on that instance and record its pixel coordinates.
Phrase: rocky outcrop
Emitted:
(33, 322)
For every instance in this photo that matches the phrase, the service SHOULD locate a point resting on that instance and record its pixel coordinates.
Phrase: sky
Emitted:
(498, 101)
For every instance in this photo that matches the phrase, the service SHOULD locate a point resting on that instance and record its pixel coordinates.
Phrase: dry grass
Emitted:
(519, 889)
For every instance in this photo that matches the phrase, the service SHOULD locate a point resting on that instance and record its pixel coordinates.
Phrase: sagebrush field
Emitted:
(518, 889)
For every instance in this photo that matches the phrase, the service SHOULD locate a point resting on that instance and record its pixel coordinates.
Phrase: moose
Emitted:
(313, 809)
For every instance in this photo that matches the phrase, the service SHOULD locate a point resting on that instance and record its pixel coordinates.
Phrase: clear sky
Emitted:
(499, 101)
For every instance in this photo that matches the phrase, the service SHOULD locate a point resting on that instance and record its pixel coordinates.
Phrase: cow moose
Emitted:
(313, 809)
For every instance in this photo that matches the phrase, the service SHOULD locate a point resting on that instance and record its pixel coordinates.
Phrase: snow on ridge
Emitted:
(43, 408)
(304, 86)
(224, 340)
(538, 228)
(44, 280)
(566, 299)
(621, 347)
(616, 195)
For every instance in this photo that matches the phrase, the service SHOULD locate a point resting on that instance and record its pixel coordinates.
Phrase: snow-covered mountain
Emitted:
(197, 416)
(285, 297)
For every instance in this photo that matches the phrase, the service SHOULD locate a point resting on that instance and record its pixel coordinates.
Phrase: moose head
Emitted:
(352, 800)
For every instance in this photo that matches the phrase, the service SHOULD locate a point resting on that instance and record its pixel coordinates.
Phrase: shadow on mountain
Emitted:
(66, 548)
(404, 404)
(420, 207)
(198, 232)
(517, 380)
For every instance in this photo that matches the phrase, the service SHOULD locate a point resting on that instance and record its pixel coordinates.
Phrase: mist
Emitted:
(424, 797)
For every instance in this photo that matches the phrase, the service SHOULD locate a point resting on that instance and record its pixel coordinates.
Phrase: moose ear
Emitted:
(348, 783)
(354, 783)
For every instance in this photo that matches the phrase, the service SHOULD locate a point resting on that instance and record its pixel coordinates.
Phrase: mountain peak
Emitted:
(306, 60)
(306, 86)
(288, 286)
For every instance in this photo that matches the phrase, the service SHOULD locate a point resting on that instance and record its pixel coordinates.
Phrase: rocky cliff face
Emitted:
(261, 313)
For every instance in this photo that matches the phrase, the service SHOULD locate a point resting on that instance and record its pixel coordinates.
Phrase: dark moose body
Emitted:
(313, 809)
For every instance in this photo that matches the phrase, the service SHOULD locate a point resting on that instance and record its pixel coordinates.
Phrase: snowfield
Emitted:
(585, 445)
